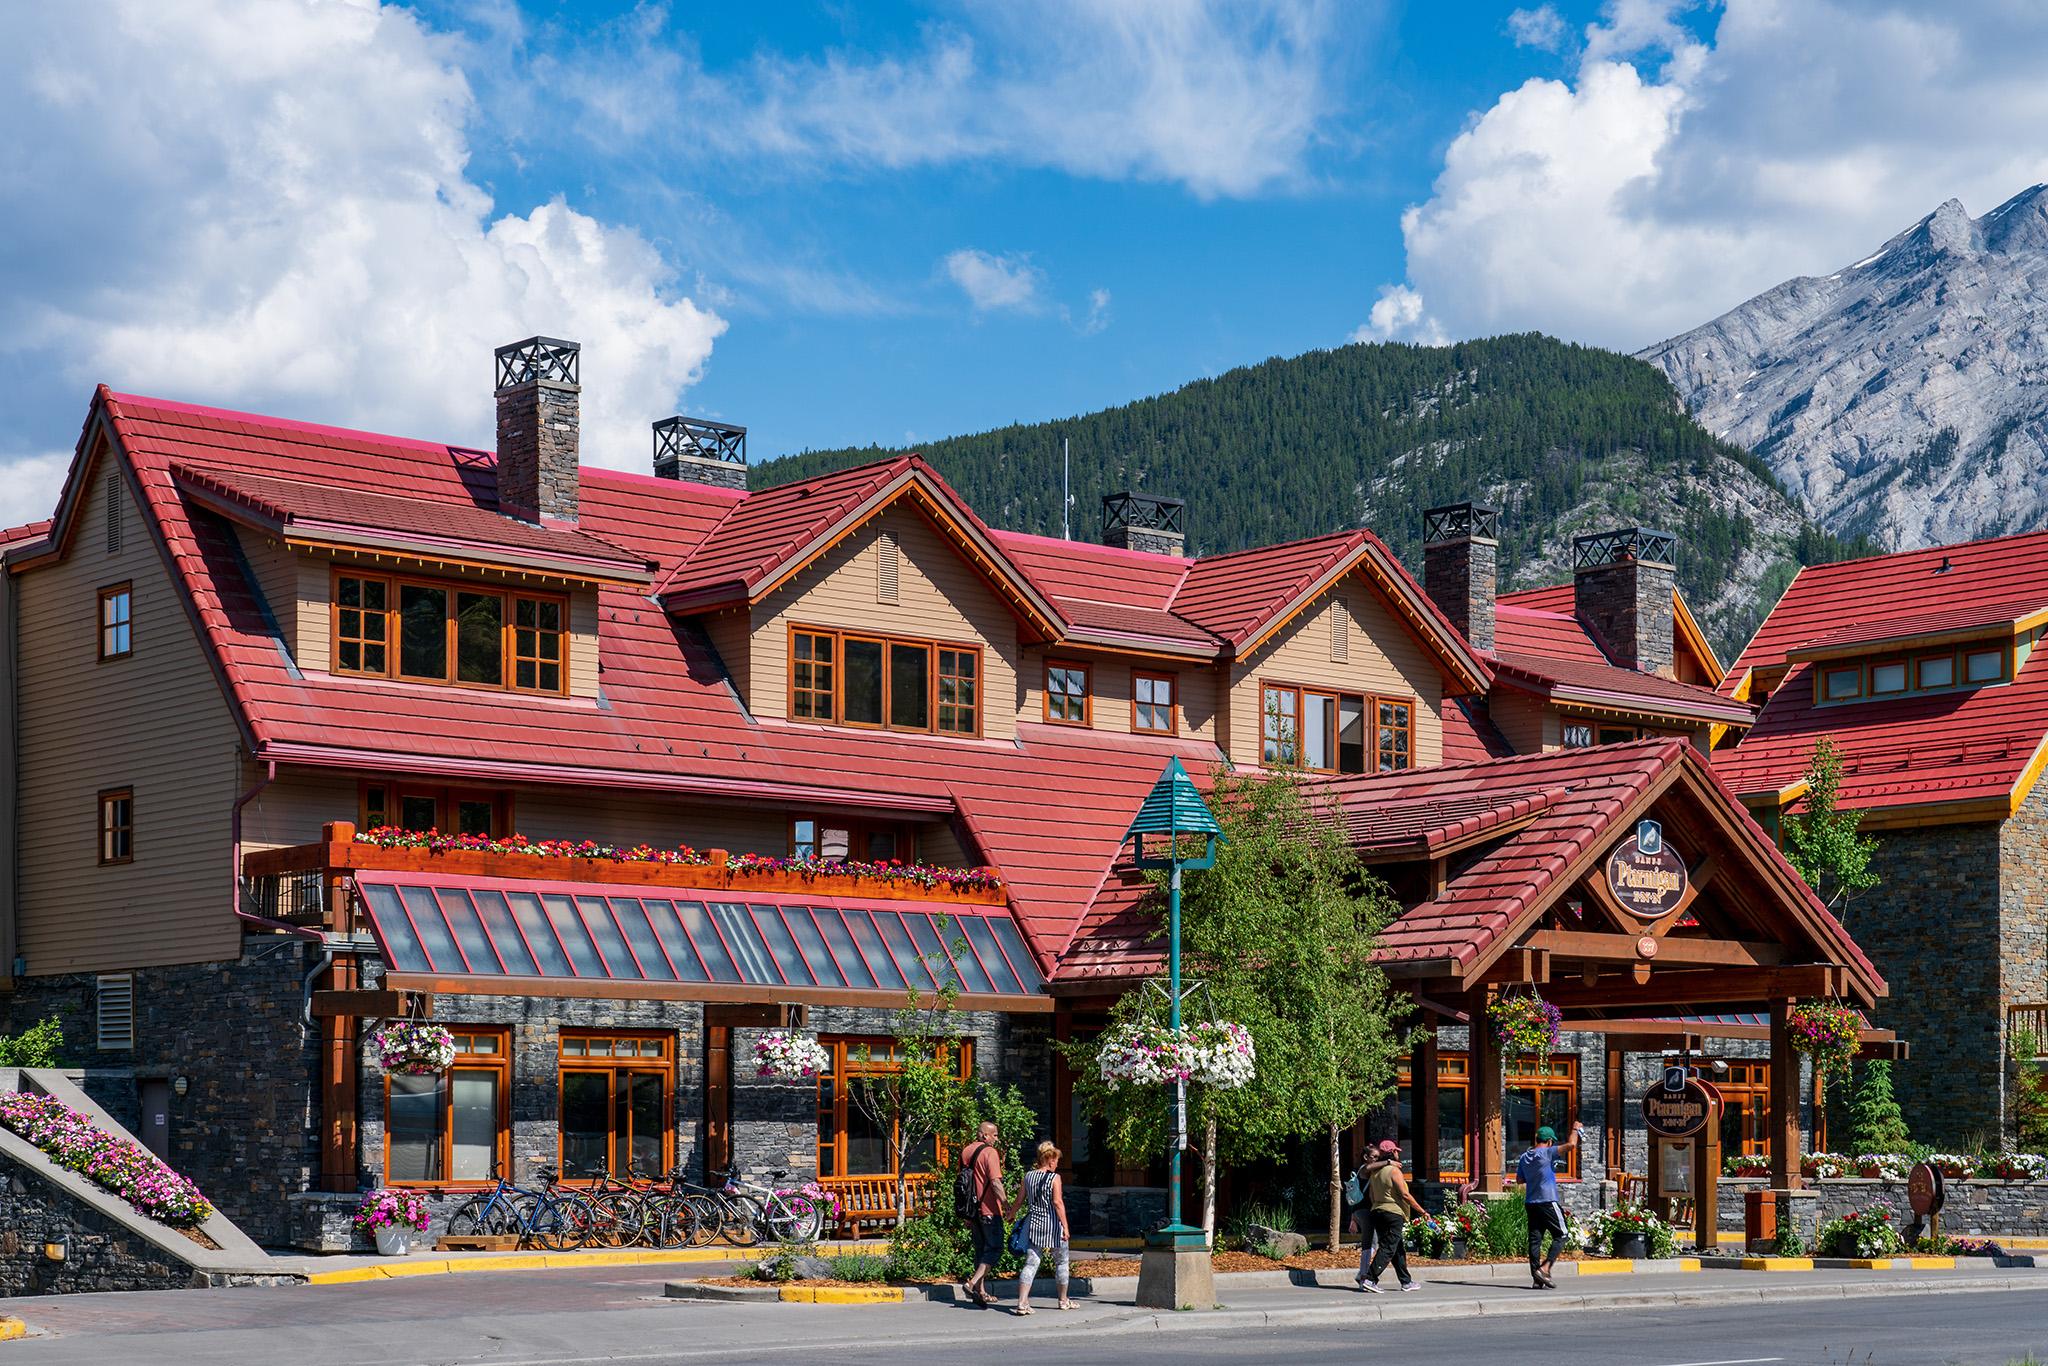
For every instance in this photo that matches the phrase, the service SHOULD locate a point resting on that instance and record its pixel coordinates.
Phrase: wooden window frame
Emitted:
(1172, 682)
(1458, 1077)
(1369, 703)
(564, 639)
(1748, 1079)
(107, 828)
(1087, 672)
(500, 1063)
(842, 1047)
(1378, 749)
(664, 1062)
(932, 646)
(1954, 661)
(1826, 672)
(509, 597)
(857, 832)
(1905, 666)
(2004, 652)
(125, 591)
(445, 799)
(939, 678)
(829, 693)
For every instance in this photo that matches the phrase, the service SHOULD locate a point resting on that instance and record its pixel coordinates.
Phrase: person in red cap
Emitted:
(1387, 1202)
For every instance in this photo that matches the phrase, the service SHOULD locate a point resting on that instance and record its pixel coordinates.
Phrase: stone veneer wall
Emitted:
(1976, 1209)
(246, 1130)
(1933, 927)
(2023, 921)
(101, 1255)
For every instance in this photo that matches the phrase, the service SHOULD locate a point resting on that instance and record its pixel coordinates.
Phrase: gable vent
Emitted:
(1340, 630)
(113, 514)
(116, 1011)
(886, 559)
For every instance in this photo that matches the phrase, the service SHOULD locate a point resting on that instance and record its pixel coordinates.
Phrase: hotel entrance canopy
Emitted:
(453, 933)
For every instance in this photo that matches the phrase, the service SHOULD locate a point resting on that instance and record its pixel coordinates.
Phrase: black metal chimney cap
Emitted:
(538, 358)
(1455, 521)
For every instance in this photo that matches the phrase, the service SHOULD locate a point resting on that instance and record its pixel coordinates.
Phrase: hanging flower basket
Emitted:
(1212, 1053)
(1826, 1032)
(1525, 1024)
(786, 1056)
(415, 1048)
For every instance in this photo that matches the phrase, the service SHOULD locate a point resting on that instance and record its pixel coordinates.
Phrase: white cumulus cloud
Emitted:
(1542, 27)
(1399, 315)
(1671, 178)
(996, 283)
(266, 205)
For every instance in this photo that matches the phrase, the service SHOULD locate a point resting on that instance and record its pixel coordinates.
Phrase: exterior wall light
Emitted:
(58, 1251)
(179, 1086)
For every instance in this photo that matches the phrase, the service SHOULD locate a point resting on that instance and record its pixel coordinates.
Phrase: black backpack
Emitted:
(967, 1186)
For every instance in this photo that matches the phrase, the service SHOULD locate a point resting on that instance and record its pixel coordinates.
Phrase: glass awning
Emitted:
(477, 928)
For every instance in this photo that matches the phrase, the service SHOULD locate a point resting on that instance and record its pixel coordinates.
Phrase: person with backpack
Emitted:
(1388, 1199)
(1355, 1187)
(1045, 1226)
(1536, 1169)
(978, 1201)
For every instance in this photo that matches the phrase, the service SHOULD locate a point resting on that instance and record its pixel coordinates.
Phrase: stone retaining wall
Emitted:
(1976, 1209)
(99, 1254)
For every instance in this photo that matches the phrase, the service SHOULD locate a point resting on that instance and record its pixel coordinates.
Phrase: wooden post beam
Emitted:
(373, 1005)
(1422, 1070)
(1489, 1121)
(1784, 1098)
(1733, 987)
(1622, 948)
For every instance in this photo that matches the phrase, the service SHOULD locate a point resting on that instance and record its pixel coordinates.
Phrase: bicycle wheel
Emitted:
(618, 1219)
(742, 1223)
(705, 1219)
(673, 1223)
(469, 1217)
(562, 1222)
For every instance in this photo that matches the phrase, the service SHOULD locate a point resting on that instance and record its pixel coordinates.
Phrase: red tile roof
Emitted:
(1974, 745)
(1947, 622)
(762, 532)
(27, 532)
(1557, 807)
(1470, 734)
(290, 506)
(1541, 645)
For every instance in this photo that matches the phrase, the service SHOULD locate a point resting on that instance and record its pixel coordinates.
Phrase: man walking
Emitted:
(981, 1181)
(1387, 1202)
(1537, 1171)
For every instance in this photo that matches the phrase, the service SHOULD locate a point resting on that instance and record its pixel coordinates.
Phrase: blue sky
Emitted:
(840, 223)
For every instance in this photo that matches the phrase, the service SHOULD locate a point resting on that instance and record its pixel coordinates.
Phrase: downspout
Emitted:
(235, 868)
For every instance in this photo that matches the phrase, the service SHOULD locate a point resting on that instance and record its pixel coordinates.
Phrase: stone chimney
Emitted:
(1460, 554)
(1622, 584)
(1139, 521)
(697, 451)
(538, 400)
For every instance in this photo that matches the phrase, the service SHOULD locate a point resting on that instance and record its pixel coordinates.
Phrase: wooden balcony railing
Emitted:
(2029, 1018)
(307, 884)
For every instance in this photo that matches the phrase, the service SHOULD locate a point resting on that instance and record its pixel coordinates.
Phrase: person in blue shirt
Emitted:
(1537, 1171)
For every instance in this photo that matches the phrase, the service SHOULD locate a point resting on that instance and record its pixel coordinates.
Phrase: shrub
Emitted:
(1505, 1230)
(1789, 1243)
(938, 1247)
(1658, 1236)
(1237, 1229)
(1430, 1237)
(127, 1169)
(1866, 1233)
(780, 1265)
(859, 1266)
(1874, 1115)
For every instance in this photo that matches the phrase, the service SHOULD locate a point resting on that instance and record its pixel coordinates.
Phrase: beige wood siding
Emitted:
(1385, 659)
(276, 570)
(730, 637)
(1196, 689)
(1525, 722)
(939, 596)
(155, 721)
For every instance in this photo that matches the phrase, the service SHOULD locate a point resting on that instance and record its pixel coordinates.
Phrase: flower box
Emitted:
(74, 1142)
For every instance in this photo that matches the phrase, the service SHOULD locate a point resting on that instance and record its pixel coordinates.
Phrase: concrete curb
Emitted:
(1788, 1264)
(1395, 1308)
(841, 1294)
(12, 1328)
(398, 1267)
(722, 1294)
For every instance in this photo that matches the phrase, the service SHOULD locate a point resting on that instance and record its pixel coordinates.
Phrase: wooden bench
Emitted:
(871, 1200)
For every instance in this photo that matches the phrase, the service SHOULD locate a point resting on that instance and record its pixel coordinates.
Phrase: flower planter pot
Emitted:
(396, 1240)
(1631, 1245)
(1458, 1250)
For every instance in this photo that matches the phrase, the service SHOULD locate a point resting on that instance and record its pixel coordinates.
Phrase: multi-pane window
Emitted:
(1938, 671)
(1066, 694)
(1536, 1093)
(852, 1139)
(115, 608)
(117, 825)
(430, 632)
(883, 682)
(1745, 1091)
(616, 1103)
(1336, 732)
(1152, 707)
(450, 810)
(451, 1126)
(835, 837)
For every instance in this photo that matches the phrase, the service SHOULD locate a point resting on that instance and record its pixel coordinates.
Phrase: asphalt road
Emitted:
(589, 1319)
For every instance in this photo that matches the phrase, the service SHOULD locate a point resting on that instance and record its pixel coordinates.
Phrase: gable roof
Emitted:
(1973, 753)
(1541, 646)
(1552, 814)
(1556, 629)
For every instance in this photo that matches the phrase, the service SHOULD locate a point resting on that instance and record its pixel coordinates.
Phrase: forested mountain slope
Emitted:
(1565, 439)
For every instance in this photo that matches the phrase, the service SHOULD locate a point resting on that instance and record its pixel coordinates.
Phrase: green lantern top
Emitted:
(1174, 807)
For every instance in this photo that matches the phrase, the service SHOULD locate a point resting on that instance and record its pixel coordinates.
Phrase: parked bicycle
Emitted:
(546, 1215)
(783, 1215)
(618, 1212)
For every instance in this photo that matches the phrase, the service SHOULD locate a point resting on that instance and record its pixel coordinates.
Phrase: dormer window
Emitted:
(430, 631)
(1935, 671)
(1984, 666)
(1888, 678)
(1971, 666)
(1841, 684)
(884, 683)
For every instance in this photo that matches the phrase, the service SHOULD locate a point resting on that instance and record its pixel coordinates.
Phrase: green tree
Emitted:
(1280, 933)
(2029, 1105)
(1875, 1121)
(1821, 840)
(40, 1045)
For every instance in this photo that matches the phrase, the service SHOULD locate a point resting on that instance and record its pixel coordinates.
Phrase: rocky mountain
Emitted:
(1904, 397)
(1564, 439)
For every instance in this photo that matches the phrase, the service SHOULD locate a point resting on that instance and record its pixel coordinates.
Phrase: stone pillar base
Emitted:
(1176, 1278)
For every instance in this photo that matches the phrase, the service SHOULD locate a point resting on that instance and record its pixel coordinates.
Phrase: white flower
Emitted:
(1216, 1054)
(790, 1057)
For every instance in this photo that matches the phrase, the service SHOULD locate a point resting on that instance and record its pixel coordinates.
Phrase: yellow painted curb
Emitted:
(1925, 1263)
(842, 1294)
(11, 1328)
(442, 1266)
(2023, 1244)
(1777, 1263)
(1605, 1266)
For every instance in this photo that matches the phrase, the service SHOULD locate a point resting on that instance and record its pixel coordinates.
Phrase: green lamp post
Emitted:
(1175, 1271)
